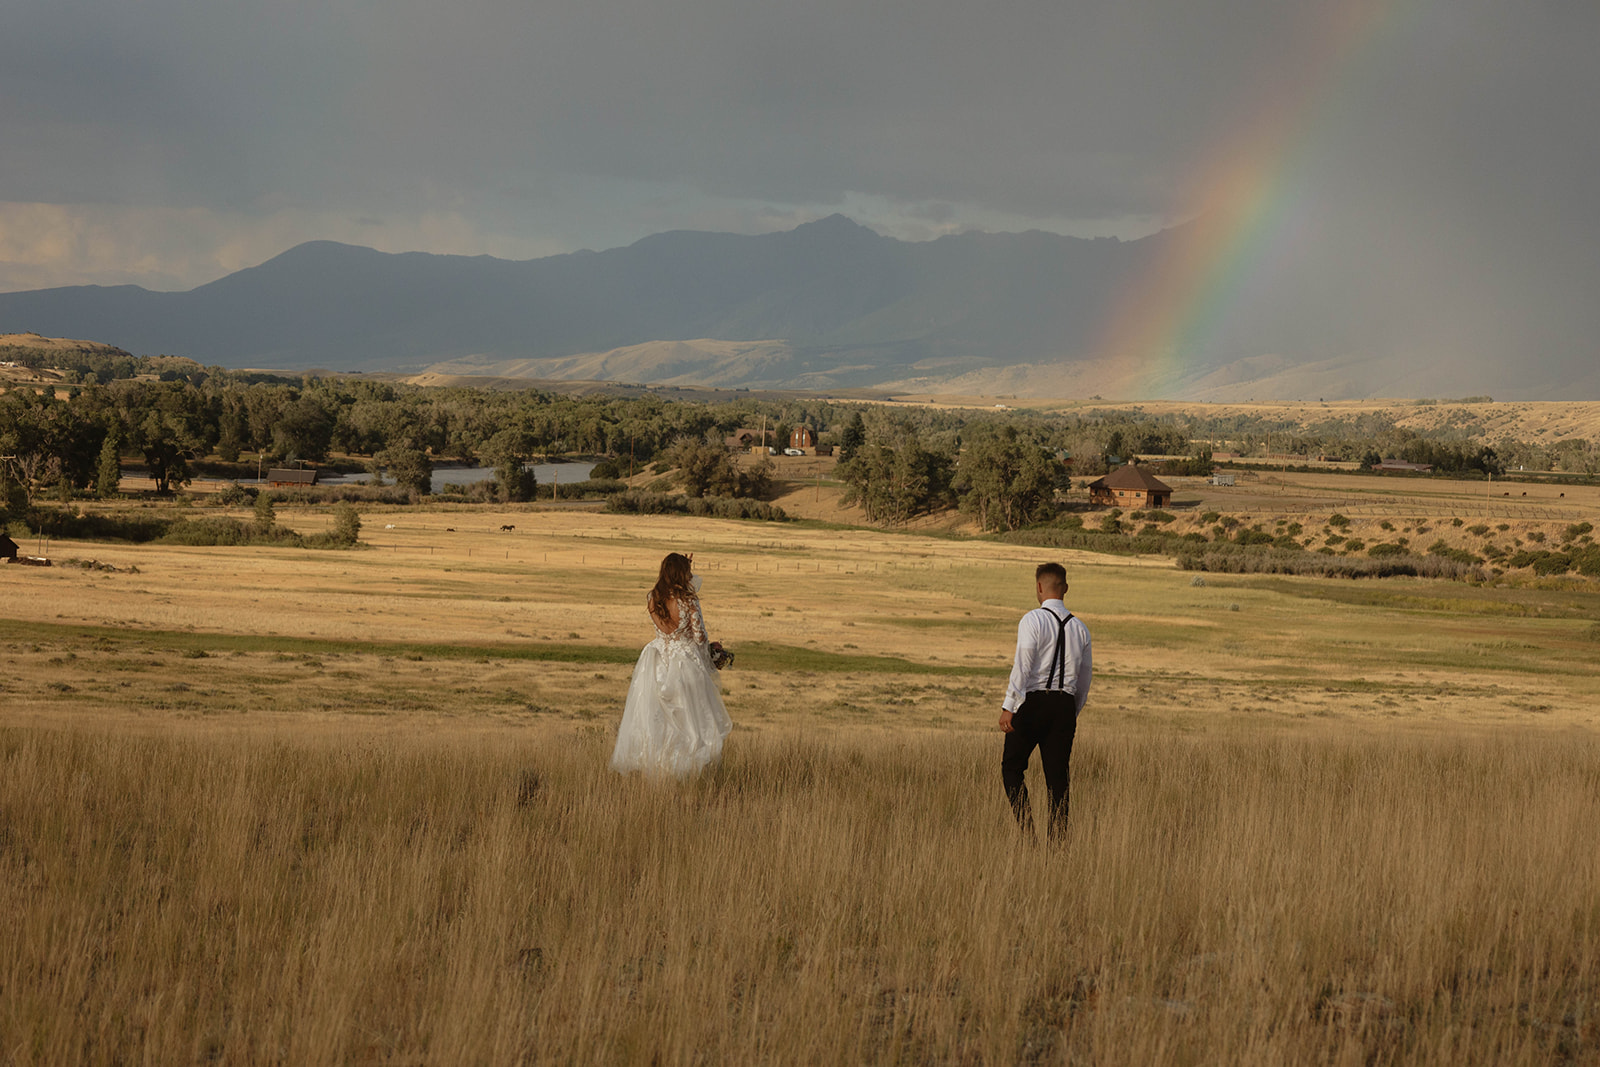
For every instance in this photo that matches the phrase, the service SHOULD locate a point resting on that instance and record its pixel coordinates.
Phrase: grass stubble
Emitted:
(858, 897)
(1288, 843)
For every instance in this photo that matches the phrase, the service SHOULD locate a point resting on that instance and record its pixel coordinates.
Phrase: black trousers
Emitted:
(1047, 721)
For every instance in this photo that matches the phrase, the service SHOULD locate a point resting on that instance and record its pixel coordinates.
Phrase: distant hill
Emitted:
(23, 346)
(836, 303)
(828, 305)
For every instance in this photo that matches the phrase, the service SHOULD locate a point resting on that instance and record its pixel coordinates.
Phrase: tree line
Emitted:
(174, 422)
(897, 461)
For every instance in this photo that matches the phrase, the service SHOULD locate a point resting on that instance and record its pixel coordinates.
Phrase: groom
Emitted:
(1048, 687)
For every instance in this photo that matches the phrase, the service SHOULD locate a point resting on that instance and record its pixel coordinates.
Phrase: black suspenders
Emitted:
(1058, 662)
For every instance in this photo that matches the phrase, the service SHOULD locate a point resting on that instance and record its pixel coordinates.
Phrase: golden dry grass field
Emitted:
(278, 805)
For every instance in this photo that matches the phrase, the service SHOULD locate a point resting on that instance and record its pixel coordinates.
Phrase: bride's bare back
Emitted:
(682, 621)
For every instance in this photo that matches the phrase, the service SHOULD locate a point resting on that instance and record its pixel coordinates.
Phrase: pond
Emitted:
(546, 473)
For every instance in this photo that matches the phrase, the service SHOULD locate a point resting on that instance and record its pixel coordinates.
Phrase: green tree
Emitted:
(166, 449)
(894, 478)
(266, 515)
(346, 528)
(1004, 480)
(170, 425)
(704, 467)
(854, 436)
(304, 429)
(108, 472)
(756, 480)
(51, 440)
(509, 451)
(409, 467)
(13, 495)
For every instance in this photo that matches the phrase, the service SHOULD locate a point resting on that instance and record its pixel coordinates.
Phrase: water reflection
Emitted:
(546, 473)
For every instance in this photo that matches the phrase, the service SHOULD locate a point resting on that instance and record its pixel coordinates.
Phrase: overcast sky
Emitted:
(169, 142)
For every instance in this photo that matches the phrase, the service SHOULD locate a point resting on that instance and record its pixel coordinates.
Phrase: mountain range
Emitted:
(828, 305)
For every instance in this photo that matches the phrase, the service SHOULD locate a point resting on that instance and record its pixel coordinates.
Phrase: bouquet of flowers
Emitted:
(720, 657)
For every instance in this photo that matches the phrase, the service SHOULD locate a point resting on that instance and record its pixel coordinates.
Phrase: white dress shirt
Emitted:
(1036, 647)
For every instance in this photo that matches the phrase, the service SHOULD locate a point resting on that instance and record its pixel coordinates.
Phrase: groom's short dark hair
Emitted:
(1054, 571)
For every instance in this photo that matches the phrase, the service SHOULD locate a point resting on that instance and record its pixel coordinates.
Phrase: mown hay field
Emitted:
(275, 805)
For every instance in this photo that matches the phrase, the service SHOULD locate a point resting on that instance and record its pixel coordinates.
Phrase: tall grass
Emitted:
(848, 898)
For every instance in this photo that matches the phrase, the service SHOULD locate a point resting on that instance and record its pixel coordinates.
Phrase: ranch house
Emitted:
(1130, 487)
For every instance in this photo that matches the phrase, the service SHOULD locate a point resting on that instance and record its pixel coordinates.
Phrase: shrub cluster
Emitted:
(356, 494)
(214, 530)
(142, 528)
(1461, 555)
(1585, 560)
(136, 527)
(1100, 540)
(644, 502)
(1254, 550)
(592, 489)
(1229, 559)
(735, 507)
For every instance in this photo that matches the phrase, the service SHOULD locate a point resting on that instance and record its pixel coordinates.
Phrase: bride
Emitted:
(674, 722)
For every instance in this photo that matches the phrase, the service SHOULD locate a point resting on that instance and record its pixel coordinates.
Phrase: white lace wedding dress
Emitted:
(674, 722)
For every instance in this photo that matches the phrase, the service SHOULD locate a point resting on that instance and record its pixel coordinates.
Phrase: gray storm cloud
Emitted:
(1444, 163)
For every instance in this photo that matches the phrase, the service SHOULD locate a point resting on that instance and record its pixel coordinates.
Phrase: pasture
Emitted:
(280, 805)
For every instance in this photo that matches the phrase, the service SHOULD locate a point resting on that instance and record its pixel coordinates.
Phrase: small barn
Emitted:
(292, 476)
(8, 547)
(1130, 487)
(745, 438)
(802, 438)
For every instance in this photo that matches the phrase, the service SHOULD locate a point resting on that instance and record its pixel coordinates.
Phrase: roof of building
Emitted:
(292, 474)
(1132, 476)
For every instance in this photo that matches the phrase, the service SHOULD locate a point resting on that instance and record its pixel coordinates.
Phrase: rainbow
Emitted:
(1243, 211)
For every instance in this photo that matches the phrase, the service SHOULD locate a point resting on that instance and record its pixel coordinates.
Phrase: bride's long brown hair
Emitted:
(672, 584)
